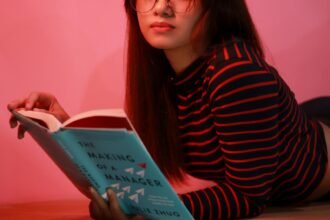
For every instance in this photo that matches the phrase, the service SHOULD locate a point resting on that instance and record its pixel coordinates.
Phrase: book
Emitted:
(100, 148)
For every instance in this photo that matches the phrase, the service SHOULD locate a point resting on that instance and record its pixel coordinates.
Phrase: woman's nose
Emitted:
(162, 7)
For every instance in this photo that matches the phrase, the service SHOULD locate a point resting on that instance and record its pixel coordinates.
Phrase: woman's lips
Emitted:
(161, 27)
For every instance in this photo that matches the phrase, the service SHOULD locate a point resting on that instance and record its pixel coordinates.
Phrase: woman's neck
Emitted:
(181, 58)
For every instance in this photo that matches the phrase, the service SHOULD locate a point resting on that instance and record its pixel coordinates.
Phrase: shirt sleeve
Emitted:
(244, 105)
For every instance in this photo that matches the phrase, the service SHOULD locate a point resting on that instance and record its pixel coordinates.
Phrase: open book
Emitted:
(100, 148)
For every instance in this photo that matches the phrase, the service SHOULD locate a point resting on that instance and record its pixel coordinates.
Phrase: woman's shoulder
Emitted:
(232, 50)
(238, 62)
(235, 52)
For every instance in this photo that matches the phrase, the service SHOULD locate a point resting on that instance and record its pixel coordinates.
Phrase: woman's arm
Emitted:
(244, 104)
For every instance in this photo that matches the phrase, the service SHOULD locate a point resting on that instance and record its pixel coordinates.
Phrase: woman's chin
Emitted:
(162, 45)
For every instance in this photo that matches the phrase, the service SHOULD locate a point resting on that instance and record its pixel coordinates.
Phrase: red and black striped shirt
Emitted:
(241, 127)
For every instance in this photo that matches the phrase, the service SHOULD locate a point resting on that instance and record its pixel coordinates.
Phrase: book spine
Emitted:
(183, 210)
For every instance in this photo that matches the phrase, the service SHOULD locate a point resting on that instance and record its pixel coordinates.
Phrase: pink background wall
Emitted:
(74, 49)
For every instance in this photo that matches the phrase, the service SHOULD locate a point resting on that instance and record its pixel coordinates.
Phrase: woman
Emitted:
(215, 109)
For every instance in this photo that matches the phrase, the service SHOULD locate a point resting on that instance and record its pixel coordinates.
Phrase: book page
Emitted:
(102, 118)
(45, 119)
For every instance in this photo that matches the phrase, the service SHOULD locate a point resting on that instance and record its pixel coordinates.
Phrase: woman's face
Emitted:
(169, 25)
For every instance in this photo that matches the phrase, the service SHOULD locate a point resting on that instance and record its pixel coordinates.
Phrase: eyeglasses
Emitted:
(145, 6)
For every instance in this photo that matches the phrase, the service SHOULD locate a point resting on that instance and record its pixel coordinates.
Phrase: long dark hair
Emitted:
(149, 101)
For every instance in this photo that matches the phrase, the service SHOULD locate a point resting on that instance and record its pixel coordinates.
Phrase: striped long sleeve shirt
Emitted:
(242, 128)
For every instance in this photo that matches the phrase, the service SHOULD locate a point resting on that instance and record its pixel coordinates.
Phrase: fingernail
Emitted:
(109, 189)
(92, 190)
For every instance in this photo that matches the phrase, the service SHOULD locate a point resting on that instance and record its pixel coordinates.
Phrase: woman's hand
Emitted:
(37, 101)
(100, 210)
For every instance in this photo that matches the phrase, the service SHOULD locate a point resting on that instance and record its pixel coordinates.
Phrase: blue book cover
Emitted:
(109, 155)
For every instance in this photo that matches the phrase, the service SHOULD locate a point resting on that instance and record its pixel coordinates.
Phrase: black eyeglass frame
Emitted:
(133, 6)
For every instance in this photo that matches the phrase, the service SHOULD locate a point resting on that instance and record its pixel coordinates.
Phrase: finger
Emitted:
(116, 211)
(21, 131)
(41, 100)
(102, 205)
(12, 122)
(94, 211)
(112, 199)
(19, 103)
(31, 100)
